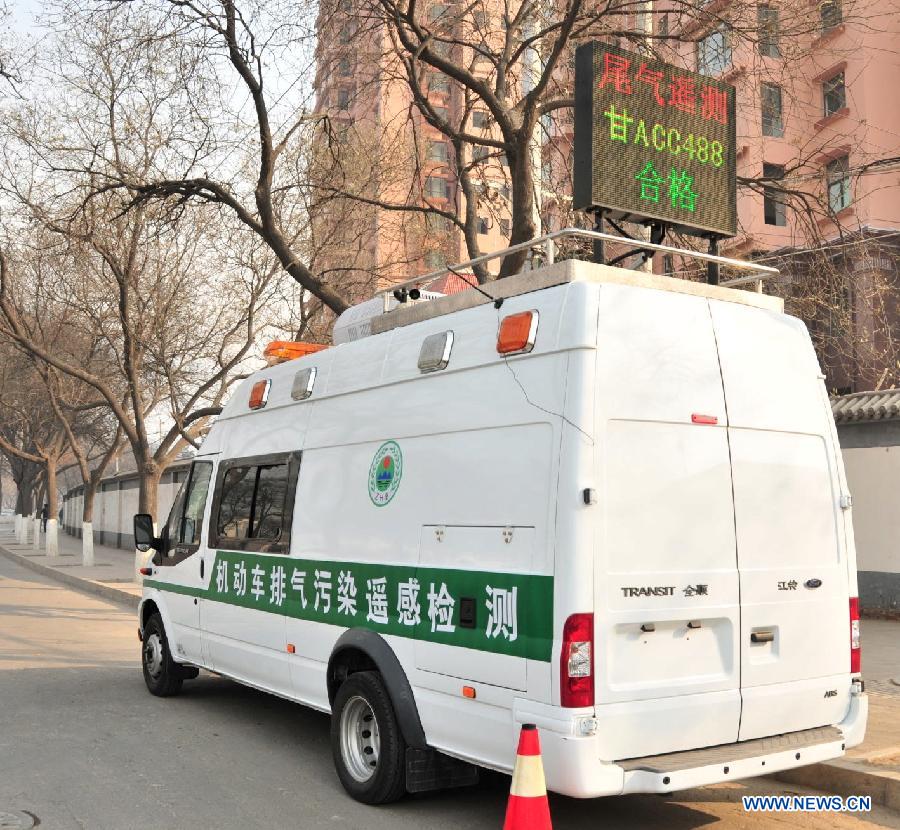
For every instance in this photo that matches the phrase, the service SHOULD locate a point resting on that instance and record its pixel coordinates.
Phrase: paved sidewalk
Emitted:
(112, 576)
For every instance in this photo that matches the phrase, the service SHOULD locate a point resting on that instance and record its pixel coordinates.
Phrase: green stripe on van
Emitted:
(506, 613)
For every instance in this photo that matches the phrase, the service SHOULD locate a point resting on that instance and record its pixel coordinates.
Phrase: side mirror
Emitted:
(143, 532)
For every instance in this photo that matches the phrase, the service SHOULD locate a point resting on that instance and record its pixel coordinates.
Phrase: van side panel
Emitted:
(480, 448)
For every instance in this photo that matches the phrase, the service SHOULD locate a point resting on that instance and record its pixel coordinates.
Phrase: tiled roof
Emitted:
(866, 406)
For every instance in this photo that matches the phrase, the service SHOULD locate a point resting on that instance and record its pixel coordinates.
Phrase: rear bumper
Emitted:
(572, 765)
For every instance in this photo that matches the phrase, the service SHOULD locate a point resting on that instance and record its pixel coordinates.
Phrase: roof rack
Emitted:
(547, 244)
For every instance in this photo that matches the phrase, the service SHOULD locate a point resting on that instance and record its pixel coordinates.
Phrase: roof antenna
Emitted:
(497, 301)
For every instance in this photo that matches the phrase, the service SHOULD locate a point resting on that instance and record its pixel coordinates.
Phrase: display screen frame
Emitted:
(642, 127)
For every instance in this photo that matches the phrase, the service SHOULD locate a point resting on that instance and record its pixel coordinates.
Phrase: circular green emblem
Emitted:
(385, 473)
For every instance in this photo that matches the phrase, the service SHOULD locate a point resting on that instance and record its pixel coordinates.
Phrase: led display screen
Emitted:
(653, 142)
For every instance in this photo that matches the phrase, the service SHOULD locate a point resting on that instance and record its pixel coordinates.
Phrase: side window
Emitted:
(268, 509)
(184, 526)
(236, 503)
(195, 503)
(254, 502)
(175, 514)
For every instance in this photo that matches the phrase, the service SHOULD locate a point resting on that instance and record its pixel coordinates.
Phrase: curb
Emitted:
(845, 778)
(88, 586)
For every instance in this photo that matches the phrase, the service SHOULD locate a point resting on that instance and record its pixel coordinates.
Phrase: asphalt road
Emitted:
(84, 745)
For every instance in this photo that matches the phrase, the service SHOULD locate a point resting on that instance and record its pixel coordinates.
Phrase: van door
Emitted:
(182, 536)
(667, 612)
(243, 611)
(794, 639)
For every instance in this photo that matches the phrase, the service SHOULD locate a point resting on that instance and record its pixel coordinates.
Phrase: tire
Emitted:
(372, 767)
(162, 674)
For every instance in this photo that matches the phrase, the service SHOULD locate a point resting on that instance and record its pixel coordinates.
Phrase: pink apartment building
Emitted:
(818, 133)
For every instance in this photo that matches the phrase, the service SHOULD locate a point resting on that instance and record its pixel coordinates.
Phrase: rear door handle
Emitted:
(762, 636)
(201, 567)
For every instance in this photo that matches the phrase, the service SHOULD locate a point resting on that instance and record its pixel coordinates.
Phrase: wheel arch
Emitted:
(151, 604)
(359, 649)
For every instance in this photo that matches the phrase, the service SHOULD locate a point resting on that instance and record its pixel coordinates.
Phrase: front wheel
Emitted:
(366, 742)
(162, 674)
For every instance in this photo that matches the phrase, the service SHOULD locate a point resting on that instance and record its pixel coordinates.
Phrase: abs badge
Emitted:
(385, 473)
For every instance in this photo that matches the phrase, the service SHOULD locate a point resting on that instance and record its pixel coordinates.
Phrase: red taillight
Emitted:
(576, 662)
(854, 636)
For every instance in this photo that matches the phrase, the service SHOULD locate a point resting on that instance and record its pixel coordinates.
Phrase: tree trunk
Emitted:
(148, 502)
(38, 499)
(523, 227)
(149, 473)
(87, 524)
(52, 534)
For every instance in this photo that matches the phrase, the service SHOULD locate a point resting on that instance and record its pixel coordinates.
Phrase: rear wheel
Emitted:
(366, 742)
(162, 674)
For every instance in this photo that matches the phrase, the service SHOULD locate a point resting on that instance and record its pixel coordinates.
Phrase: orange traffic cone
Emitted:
(527, 808)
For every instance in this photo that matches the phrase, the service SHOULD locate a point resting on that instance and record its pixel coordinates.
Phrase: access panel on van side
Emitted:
(483, 601)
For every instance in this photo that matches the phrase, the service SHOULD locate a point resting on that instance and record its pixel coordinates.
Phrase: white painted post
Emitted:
(23, 531)
(87, 544)
(51, 542)
(17, 524)
(37, 531)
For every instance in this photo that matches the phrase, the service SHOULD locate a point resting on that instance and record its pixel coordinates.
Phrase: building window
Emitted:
(434, 259)
(479, 18)
(482, 225)
(343, 99)
(438, 151)
(668, 265)
(834, 94)
(663, 28)
(714, 52)
(479, 154)
(770, 104)
(344, 67)
(441, 48)
(437, 188)
(437, 12)
(504, 227)
(504, 191)
(830, 14)
(441, 113)
(767, 31)
(435, 223)
(480, 120)
(773, 200)
(347, 33)
(438, 82)
(838, 177)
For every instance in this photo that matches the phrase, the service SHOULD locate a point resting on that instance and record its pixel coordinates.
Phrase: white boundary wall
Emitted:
(116, 503)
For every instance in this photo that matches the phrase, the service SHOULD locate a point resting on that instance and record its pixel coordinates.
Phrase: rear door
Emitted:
(794, 634)
(667, 612)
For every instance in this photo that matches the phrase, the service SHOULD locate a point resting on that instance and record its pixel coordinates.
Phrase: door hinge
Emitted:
(846, 501)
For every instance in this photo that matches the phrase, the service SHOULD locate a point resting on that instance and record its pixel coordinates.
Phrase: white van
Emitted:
(613, 507)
